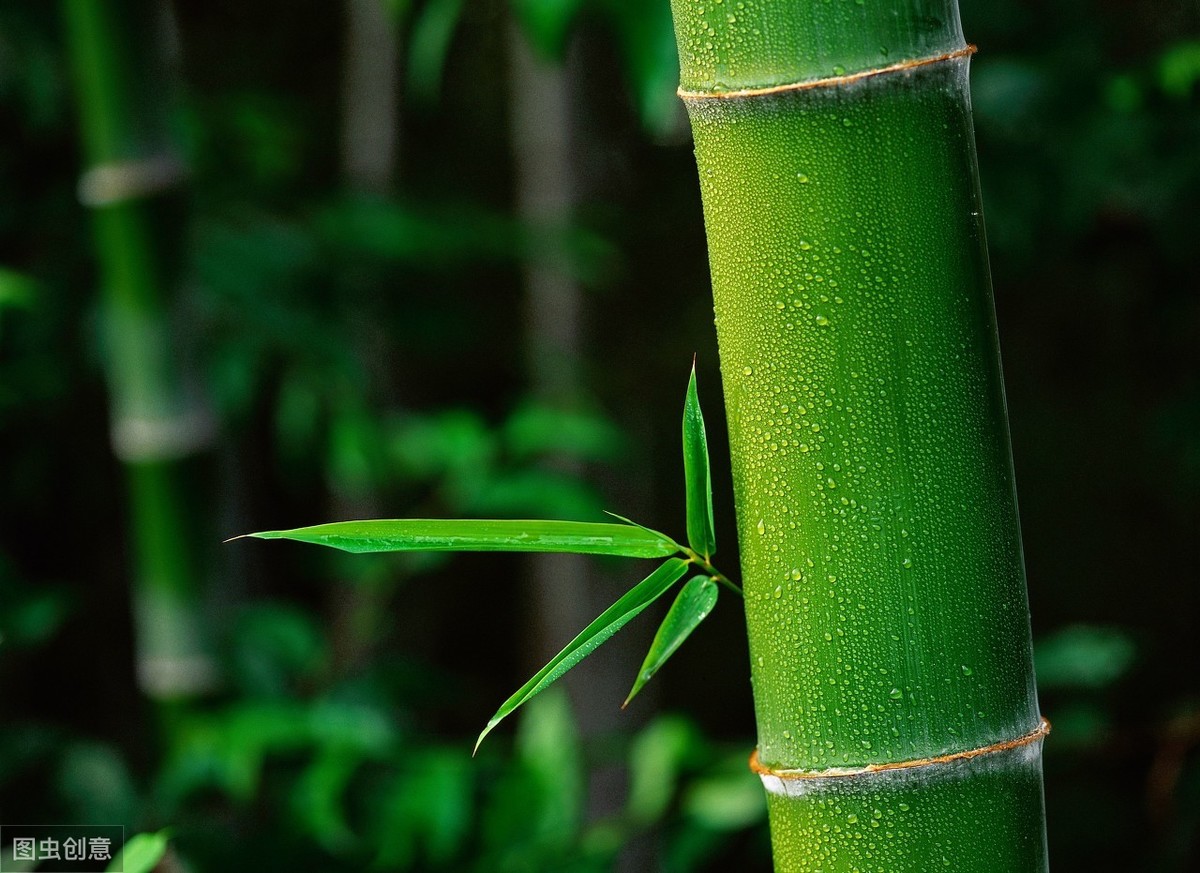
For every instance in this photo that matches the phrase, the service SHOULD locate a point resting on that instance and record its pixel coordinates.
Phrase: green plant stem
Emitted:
(880, 547)
(154, 422)
(711, 571)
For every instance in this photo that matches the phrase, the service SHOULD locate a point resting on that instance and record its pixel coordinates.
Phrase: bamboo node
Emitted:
(117, 181)
(815, 777)
(139, 438)
(832, 81)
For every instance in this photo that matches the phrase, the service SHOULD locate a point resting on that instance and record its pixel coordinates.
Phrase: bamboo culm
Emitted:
(898, 725)
(155, 422)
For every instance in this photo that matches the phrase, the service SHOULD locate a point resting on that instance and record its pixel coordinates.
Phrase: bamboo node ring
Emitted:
(1036, 735)
(832, 81)
(113, 182)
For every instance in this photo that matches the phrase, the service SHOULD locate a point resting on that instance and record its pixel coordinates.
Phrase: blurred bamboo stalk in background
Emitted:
(898, 725)
(566, 591)
(370, 143)
(155, 421)
(371, 126)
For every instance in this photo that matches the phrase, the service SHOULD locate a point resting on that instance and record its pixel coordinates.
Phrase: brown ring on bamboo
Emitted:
(1033, 736)
(831, 82)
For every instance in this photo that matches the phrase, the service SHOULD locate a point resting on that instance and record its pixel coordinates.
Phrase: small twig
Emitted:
(713, 573)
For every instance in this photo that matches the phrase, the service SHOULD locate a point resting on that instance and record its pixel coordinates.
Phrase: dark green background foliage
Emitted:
(367, 354)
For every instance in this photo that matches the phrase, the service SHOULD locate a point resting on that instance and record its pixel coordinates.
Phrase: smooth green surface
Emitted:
(608, 623)
(693, 604)
(881, 555)
(482, 535)
(982, 819)
(727, 45)
(697, 475)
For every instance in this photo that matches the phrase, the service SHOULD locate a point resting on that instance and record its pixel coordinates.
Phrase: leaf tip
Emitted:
(257, 535)
(483, 734)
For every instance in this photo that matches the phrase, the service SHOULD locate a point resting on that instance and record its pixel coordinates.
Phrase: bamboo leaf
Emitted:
(648, 530)
(610, 621)
(481, 535)
(142, 853)
(697, 475)
(433, 31)
(691, 607)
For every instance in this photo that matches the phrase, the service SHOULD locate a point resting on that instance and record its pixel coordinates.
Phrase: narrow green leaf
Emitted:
(648, 530)
(691, 607)
(481, 535)
(432, 33)
(610, 621)
(697, 476)
(546, 24)
(141, 852)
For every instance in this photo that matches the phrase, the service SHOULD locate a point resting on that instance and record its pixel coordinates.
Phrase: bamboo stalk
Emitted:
(155, 423)
(898, 726)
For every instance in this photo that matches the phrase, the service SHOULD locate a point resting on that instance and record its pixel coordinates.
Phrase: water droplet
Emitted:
(906, 563)
(852, 818)
(762, 527)
(967, 671)
(747, 371)
(778, 591)
(796, 574)
(823, 321)
(803, 178)
(896, 694)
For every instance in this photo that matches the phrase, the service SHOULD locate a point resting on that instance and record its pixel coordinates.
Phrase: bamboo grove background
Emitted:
(447, 257)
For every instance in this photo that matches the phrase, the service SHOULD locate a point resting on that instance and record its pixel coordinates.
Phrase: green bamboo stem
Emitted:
(880, 546)
(154, 421)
